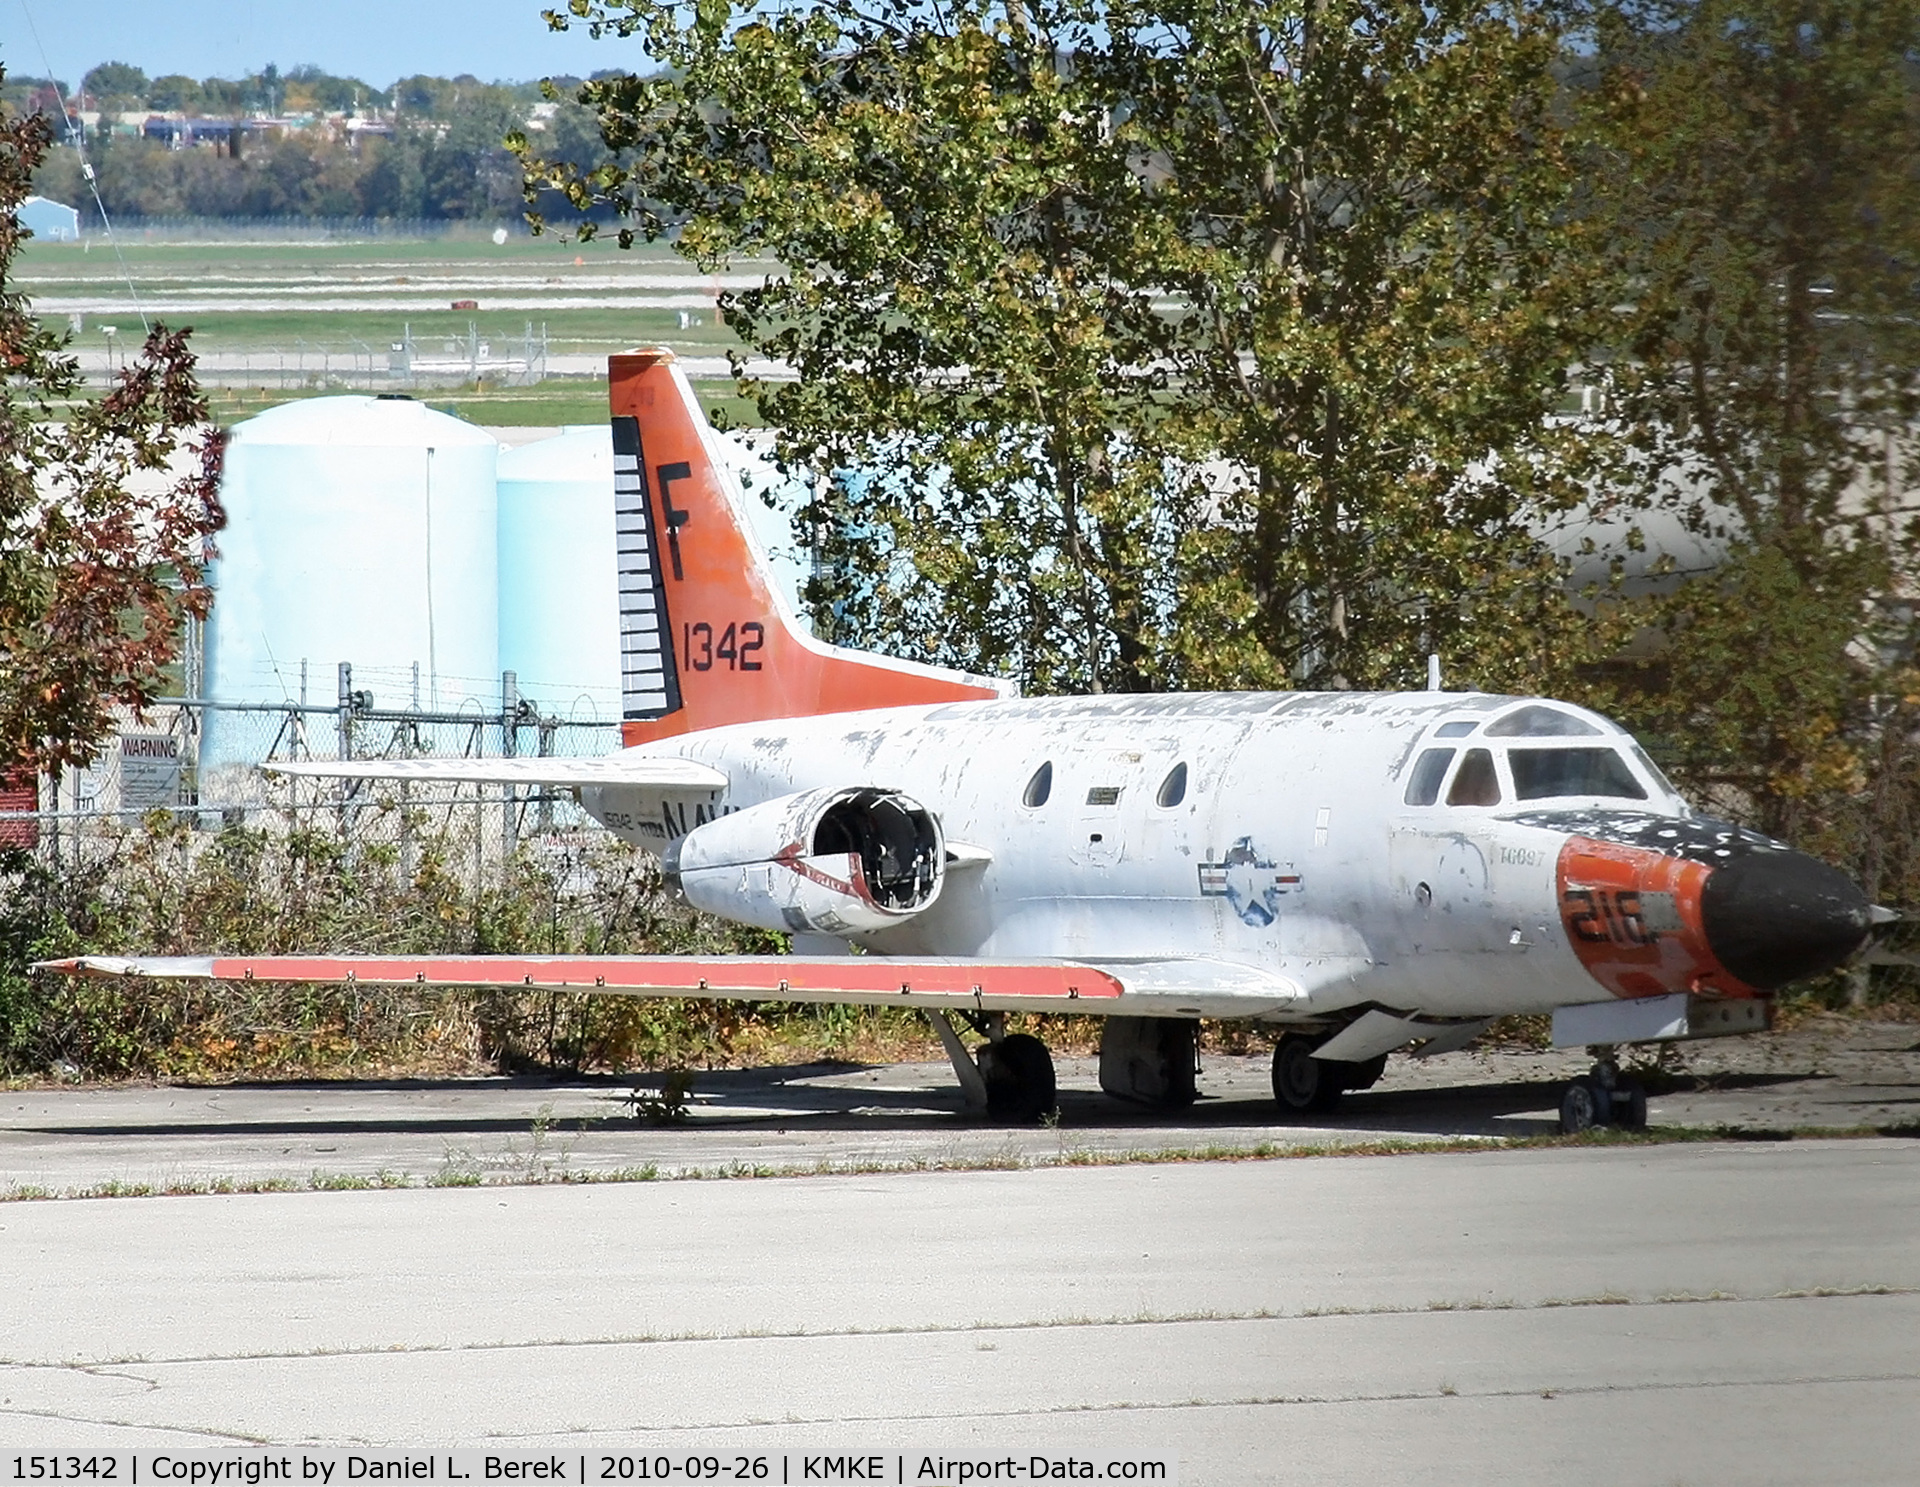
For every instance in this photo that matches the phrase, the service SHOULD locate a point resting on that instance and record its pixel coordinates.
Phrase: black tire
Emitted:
(1178, 1040)
(1303, 1084)
(1363, 1076)
(1581, 1107)
(1018, 1072)
(1630, 1107)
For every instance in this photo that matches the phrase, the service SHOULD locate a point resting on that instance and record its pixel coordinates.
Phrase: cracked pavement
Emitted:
(1714, 1313)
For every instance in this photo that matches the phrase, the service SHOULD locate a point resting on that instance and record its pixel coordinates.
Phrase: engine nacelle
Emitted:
(832, 862)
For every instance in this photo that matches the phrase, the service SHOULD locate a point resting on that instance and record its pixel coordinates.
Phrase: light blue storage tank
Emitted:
(559, 601)
(359, 529)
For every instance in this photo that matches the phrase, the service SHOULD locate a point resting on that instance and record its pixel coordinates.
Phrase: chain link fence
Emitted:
(194, 764)
(406, 361)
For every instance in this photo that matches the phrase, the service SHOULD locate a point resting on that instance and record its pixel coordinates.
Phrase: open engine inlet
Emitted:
(896, 841)
(830, 861)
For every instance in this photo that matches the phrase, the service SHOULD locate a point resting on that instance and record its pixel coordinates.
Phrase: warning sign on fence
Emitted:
(149, 772)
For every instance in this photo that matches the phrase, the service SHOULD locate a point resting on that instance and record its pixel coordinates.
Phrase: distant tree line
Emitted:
(437, 151)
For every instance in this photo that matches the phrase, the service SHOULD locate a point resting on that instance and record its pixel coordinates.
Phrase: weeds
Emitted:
(665, 1106)
(462, 1169)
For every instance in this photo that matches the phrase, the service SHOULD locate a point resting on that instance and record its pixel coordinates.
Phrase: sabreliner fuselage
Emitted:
(1274, 830)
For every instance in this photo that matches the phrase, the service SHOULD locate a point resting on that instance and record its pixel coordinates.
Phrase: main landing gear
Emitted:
(1305, 1085)
(1601, 1097)
(1010, 1078)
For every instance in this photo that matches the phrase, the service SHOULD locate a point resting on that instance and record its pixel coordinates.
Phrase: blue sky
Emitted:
(376, 40)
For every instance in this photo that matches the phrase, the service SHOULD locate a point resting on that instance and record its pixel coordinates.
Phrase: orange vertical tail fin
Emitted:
(706, 637)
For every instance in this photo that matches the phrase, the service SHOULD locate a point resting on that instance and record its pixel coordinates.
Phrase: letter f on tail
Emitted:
(706, 636)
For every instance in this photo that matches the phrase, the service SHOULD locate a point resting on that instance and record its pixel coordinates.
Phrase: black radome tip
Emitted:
(1776, 917)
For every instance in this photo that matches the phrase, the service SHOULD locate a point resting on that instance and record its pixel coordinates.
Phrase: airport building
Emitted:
(50, 221)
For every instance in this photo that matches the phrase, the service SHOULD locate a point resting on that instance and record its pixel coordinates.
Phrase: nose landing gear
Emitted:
(1601, 1097)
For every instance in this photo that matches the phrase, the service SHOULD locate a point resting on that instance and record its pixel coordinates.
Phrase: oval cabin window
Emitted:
(1039, 787)
(1173, 789)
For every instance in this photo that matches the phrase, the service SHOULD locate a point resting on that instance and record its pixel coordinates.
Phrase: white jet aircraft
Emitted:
(1362, 871)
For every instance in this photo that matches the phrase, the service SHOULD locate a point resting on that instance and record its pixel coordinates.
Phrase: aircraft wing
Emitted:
(650, 771)
(1134, 988)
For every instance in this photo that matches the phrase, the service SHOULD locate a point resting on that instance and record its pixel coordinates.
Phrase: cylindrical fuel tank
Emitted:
(363, 530)
(559, 600)
(559, 589)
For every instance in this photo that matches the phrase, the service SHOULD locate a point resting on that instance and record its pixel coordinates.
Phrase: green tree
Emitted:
(1207, 343)
(466, 168)
(1762, 202)
(104, 517)
(115, 85)
(947, 308)
(313, 88)
(1363, 210)
(392, 183)
(175, 93)
(223, 95)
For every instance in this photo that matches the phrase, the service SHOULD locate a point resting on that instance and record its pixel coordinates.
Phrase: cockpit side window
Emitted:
(1535, 721)
(1654, 771)
(1458, 728)
(1541, 774)
(1476, 783)
(1428, 771)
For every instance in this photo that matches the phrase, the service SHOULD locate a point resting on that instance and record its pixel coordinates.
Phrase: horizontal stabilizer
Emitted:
(1156, 988)
(648, 771)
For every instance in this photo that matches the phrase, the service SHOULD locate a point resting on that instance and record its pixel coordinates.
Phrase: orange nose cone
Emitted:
(1633, 917)
(1735, 920)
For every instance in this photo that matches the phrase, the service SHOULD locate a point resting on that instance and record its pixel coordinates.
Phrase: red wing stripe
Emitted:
(747, 976)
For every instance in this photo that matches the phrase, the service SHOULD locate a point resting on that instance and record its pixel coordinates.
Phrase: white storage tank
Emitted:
(363, 530)
(559, 601)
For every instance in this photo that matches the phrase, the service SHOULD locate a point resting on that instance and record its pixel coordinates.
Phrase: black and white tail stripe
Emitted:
(650, 683)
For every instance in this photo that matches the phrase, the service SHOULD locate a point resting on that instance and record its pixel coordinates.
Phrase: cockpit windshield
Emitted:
(1534, 721)
(1542, 774)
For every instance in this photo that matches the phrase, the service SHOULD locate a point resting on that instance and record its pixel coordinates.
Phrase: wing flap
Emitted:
(1132, 989)
(644, 771)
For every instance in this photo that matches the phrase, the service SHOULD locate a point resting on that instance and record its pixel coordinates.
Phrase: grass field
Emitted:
(276, 321)
(558, 400)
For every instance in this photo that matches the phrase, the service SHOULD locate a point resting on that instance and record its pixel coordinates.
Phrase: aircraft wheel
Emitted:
(1363, 1076)
(1582, 1107)
(1178, 1042)
(1303, 1084)
(1018, 1072)
(1630, 1107)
